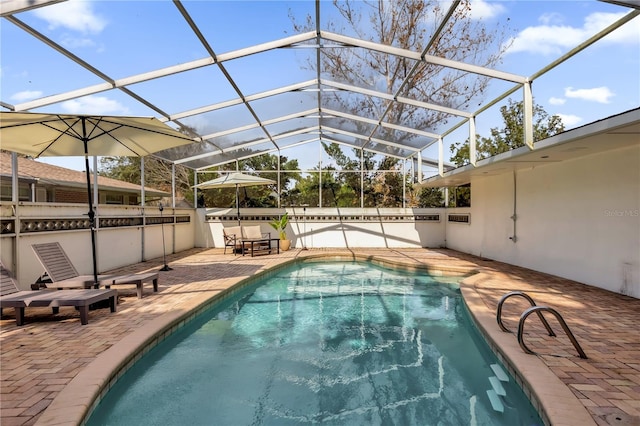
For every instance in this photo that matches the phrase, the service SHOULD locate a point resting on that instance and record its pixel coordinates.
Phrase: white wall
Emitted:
(132, 244)
(578, 219)
(338, 228)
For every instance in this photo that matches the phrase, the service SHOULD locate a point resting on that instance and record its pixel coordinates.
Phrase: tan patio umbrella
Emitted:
(53, 135)
(236, 180)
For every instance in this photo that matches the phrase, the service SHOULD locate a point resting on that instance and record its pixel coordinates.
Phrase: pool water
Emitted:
(335, 343)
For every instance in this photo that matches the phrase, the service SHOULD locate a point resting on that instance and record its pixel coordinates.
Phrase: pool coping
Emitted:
(553, 400)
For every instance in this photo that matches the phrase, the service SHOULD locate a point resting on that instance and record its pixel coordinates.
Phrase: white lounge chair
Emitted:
(64, 275)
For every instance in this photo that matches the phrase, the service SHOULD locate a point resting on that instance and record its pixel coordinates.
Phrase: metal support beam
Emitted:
(361, 178)
(195, 190)
(473, 155)
(528, 114)
(173, 185)
(404, 183)
(9, 7)
(279, 188)
(15, 195)
(440, 157)
(142, 193)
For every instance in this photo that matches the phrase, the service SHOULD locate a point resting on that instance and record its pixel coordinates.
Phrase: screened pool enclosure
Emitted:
(349, 104)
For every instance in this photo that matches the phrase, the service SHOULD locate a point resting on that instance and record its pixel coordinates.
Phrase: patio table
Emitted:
(260, 245)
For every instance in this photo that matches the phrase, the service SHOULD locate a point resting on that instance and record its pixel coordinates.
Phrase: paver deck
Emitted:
(48, 366)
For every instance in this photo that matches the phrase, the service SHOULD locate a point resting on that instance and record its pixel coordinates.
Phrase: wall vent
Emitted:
(460, 218)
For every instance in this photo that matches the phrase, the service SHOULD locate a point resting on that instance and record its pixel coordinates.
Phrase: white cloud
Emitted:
(557, 101)
(551, 18)
(71, 42)
(481, 9)
(94, 105)
(597, 94)
(553, 38)
(546, 40)
(72, 15)
(26, 95)
(569, 120)
(628, 33)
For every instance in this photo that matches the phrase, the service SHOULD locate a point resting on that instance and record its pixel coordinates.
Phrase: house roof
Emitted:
(49, 174)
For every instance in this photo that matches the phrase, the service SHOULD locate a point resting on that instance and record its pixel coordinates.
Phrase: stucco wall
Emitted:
(578, 219)
(344, 227)
(117, 246)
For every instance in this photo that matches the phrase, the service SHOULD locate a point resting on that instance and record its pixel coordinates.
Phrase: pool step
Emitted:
(500, 373)
(497, 390)
(496, 402)
(497, 386)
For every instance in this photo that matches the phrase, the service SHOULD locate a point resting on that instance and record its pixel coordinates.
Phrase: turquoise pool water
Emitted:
(332, 343)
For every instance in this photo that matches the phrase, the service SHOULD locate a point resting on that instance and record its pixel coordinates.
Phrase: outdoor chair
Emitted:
(232, 238)
(12, 297)
(235, 235)
(64, 275)
(253, 232)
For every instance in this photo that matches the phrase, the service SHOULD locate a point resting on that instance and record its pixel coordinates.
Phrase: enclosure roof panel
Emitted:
(243, 78)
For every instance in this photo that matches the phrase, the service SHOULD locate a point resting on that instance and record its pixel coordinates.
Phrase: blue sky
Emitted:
(601, 81)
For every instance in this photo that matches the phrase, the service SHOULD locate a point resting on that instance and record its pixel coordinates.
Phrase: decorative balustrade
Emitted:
(32, 225)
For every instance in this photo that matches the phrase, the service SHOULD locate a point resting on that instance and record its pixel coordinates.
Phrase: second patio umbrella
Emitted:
(235, 180)
(53, 135)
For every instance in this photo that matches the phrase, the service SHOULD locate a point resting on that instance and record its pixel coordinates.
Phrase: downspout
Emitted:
(514, 217)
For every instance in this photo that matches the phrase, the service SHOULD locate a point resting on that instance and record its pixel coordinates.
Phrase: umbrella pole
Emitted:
(238, 201)
(91, 212)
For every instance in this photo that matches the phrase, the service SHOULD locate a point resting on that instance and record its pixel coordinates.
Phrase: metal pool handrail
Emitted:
(531, 301)
(565, 327)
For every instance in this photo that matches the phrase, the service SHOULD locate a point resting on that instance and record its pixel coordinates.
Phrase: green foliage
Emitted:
(280, 225)
(157, 174)
(460, 196)
(430, 197)
(510, 136)
(382, 180)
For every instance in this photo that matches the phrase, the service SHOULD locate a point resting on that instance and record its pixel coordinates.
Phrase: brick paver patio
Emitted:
(50, 360)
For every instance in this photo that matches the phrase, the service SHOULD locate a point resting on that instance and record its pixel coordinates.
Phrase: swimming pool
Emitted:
(341, 343)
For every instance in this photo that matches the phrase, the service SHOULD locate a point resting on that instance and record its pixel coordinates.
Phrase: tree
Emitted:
(157, 173)
(406, 24)
(510, 136)
(430, 197)
(254, 196)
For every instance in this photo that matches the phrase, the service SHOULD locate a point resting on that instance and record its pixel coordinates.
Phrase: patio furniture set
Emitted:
(67, 286)
(249, 239)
